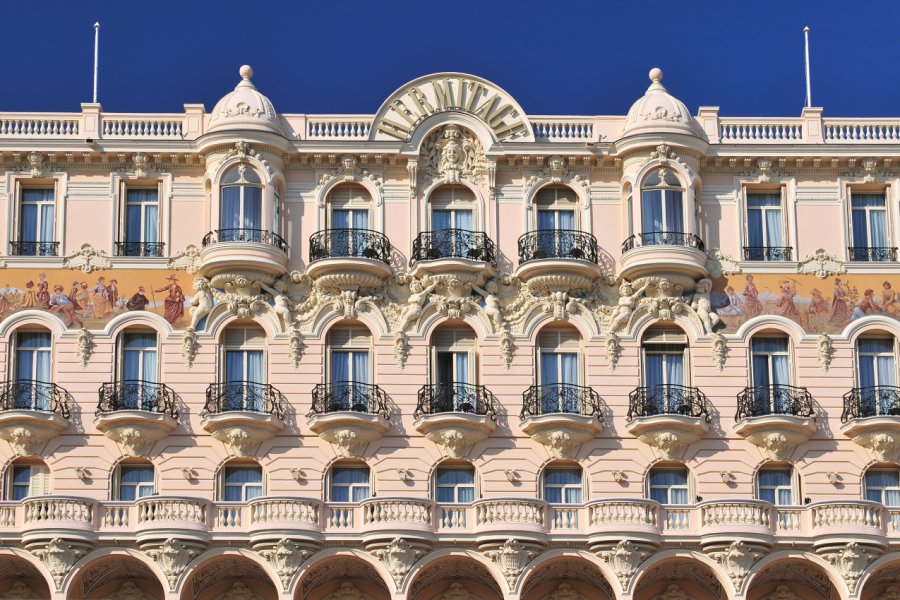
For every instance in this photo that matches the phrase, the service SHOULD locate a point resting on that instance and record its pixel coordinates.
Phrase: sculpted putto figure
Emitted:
(703, 307)
(280, 299)
(202, 302)
(491, 303)
(415, 303)
(627, 303)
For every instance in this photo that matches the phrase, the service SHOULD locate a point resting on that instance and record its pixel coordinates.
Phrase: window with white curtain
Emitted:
(877, 376)
(883, 485)
(349, 220)
(27, 479)
(37, 216)
(662, 208)
(556, 221)
(559, 369)
(245, 368)
(869, 224)
(775, 486)
(765, 224)
(139, 359)
(452, 207)
(668, 486)
(241, 206)
(664, 369)
(453, 368)
(33, 360)
(455, 484)
(141, 215)
(771, 367)
(562, 486)
(241, 483)
(348, 368)
(349, 484)
(135, 481)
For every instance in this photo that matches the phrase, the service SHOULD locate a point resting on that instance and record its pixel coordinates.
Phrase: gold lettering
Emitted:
(510, 130)
(497, 119)
(443, 94)
(393, 129)
(403, 112)
(486, 110)
(421, 102)
(474, 89)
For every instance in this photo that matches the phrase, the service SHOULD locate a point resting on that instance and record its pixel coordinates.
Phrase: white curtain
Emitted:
(230, 217)
(252, 207)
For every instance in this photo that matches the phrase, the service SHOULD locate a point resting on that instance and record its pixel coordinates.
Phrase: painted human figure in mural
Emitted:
(174, 302)
(889, 299)
(5, 304)
(83, 296)
(138, 301)
(112, 292)
(734, 304)
(785, 305)
(28, 299)
(866, 305)
(100, 305)
(61, 305)
(818, 310)
(73, 296)
(840, 312)
(752, 305)
(43, 291)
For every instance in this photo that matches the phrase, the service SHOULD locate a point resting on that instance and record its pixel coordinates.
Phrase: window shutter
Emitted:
(349, 196)
(242, 337)
(39, 480)
(559, 340)
(665, 336)
(450, 196)
(349, 337)
(454, 340)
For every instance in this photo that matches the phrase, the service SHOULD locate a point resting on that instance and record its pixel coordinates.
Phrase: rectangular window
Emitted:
(139, 371)
(455, 485)
(562, 486)
(37, 223)
(869, 229)
(349, 484)
(664, 372)
(558, 373)
(883, 486)
(765, 235)
(141, 225)
(877, 375)
(135, 482)
(242, 484)
(29, 480)
(776, 486)
(669, 486)
(245, 369)
(33, 363)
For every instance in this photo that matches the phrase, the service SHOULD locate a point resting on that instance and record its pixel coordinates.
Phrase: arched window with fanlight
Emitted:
(349, 220)
(557, 222)
(662, 209)
(348, 372)
(876, 372)
(240, 214)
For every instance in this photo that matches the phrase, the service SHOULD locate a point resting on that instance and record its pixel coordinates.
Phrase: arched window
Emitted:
(771, 373)
(562, 485)
(663, 373)
(559, 372)
(241, 481)
(668, 485)
(349, 371)
(349, 483)
(882, 484)
(133, 480)
(453, 370)
(245, 369)
(557, 222)
(138, 370)
(455, 484)
(348, 220)
(777, 484)
(27, 477)
(662, 208)
(33, 370)
(876, 371)
(452, 207)
(241, 206)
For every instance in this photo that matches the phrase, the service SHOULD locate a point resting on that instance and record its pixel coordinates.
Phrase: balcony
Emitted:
(561, 416)
(136, 414)
(34, 248)
(872, 254)
(241, 414)
(768, 253)
(871, 418)
(348, 415)
(48, 517)
(143, 249)
(557, 260)
(775, 418)
(668, 417)
(32, 412)
(663, 252)
(255, 250)
(358, 259)
(162, 517)
(455, 416)
(453, 252)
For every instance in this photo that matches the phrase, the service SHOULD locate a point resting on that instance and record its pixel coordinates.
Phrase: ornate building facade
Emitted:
(449, 351)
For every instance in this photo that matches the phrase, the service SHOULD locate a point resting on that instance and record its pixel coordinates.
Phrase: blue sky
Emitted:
(559, 57)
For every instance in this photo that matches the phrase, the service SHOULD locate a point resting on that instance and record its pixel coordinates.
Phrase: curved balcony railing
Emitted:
(34, 248)
(349, 243)
(137, 395)
(768, 400)
(768, 253)
(258, 236)
(244, 396)
(453, 243)
(437, 398)
(664, 238)
(348, 396)
(667, 399)
(151, 249)
(557, 243)
(872, 254)
(27, 394)
(555, 398)
(878, 401)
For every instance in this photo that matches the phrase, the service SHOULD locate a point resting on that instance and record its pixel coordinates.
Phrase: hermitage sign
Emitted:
(450, 92)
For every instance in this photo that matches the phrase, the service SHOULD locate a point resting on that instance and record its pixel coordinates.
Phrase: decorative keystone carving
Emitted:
(237, 440)
(624, 558)
(187, 260)
(851, 562)
(88, 259)
(134, 440)
(673, 592)
(85, 346)
(455, 442)
(347, 591)
(189, 347)
(347, 442)
(173, 557)
(783, 592)
(285, 557)
(401, 349)
(825, 350)
(737, 560)
(882, 445)
(668, 444)
(511, 558)
(719, 350)
(453, 155)
(398, 557)
(59, 556)
(557, 171)
(613, 350)
(140, 165)
(821, 264)
(35, 163)
(24, 440)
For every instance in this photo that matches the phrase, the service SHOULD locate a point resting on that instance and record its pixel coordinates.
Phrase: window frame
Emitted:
(580, 486)
(688, 485)
(455, 204)
(127, 187)
(782, 193)
(556, 206)
(330, 485)
(38, 475)
(685, 354)
(351, 203)
(459, 345)
(455, 487)
(793, 485)
(895, 352)
(352, 347)
(885, 193)
(244, 347)
(663, 186)
(117, 481)
(884, 469)
(788, 352)
(559, 348)
(242, 183)
(223, 486)
(121, 350)
(21, 188)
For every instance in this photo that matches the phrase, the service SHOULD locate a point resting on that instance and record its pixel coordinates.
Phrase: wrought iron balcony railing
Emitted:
(258, 236)
(244, 396)
(560, 398)
(872, 254)
(768, 253)
(349, 243)
(34, 248)
(557, 243)
(453, 243)
(137, 395)
(767, 400)
(664, 238)
(27, 394)
(878, 401)
(667, 399)
(348, 396)
(448, 397)
(150, 249)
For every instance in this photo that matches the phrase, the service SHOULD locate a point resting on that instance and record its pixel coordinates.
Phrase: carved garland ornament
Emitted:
(88, 259)
(851, 562)
(453, 155)
(737, 560)
(285, 557)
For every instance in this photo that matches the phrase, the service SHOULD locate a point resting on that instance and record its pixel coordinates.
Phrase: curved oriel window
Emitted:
(240, 212)
(662, 209)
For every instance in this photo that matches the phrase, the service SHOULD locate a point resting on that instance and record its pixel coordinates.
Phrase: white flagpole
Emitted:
(96, 46)
(808, 89)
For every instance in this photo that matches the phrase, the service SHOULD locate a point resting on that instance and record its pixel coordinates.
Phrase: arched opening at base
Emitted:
(454, 578)
(569, 578)
(791, 579)
(21, 579)
(115, 577)
(884, 583)
(679, 578)
(342, 577)
(229, 577)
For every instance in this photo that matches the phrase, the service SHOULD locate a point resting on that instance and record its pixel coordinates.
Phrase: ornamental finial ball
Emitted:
(246, 72)
(656, 74)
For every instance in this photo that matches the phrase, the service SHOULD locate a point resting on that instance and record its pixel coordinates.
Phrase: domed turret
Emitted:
(657, 111)
(245, 108)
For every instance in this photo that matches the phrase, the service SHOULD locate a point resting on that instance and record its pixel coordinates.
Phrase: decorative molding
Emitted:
(130, 591)
(295, 346)
(347, 591)
(456, 591)
(453, 155)
(564, 591)
(719, 350)
(172, 557)
(35, 163)
(59, 556)
(737, 560)
(825, 351)
(186, 260)
(239, 591)
(85, 346)
(201, 302)
(347, 171)
(507, 348)
(140, 165)
(401, 349)
(673, 592)
(613, 350)
(398, 557)
(88, 259)
(821, 264)
(783, 592)
(624, 558)
(285, 557)
(718, 263)
(556, 171)
(189, 347)
(851, 562)
(511, 558)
